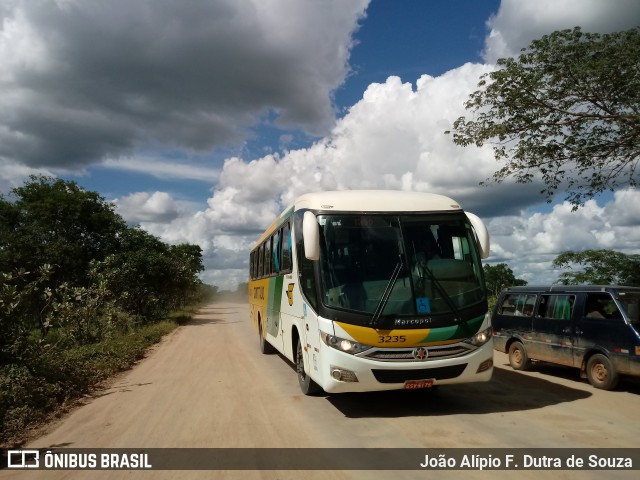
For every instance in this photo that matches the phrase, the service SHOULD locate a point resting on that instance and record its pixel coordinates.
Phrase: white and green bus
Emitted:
(374, 290)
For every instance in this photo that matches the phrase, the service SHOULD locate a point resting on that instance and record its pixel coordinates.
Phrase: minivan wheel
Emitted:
(518, 357)
(601, 372)
(308, 386)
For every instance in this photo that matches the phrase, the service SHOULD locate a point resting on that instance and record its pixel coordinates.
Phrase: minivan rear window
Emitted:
(518, 305)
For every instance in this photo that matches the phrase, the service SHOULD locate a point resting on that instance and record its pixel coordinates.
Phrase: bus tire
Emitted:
(308, 386)
(265, 347)
(601, 372)
(518, 358)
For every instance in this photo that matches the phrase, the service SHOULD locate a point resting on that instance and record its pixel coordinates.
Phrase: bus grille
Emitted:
(401, 376)
(406, 354)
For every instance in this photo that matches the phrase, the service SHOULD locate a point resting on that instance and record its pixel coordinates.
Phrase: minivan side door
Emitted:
(552, 335)
(601, 324)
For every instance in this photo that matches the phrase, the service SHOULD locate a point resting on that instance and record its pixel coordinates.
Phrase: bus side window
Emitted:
(286, 247)
(306, 267)
(252, 270)
(260, 260)
(267, 256)
(276, 252)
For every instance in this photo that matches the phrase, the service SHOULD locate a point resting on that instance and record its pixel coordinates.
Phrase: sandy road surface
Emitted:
(207, 385)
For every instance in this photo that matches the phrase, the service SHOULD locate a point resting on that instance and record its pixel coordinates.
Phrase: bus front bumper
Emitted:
(350, 373)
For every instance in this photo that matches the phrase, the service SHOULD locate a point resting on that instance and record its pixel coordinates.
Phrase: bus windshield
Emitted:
(399, 264)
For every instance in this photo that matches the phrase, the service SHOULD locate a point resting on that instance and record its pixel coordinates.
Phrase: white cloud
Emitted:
(139, 207)
(88, 80)
(163, 168)
(530, 241)
(518, 22)
(14, 174)
(392, 138)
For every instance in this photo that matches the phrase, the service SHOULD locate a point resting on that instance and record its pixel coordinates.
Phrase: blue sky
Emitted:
(202, 119)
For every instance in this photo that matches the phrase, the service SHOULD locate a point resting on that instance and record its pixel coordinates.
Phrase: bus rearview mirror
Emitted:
(481, 232)
(311, 236)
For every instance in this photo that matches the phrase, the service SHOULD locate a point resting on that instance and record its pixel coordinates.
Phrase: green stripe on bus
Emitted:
(455, 331)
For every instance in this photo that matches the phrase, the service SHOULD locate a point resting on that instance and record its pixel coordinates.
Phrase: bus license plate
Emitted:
(412, 384)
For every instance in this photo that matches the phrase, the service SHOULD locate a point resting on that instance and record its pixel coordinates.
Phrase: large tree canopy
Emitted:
(599, 267)
(567, 109)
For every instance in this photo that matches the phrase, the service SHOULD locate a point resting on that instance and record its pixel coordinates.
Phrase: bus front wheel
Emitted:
(308, 386)
(518, 357)
(601, 372)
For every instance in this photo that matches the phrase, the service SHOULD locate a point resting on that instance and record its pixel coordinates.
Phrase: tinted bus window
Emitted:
(261, 260)
(252, 270)
(286, 247)
(276, 252)
(267, 257)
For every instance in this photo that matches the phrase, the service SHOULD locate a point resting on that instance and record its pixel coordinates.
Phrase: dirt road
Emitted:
(207, 385)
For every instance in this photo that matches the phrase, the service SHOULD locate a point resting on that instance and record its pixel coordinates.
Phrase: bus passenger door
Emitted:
(552, 336)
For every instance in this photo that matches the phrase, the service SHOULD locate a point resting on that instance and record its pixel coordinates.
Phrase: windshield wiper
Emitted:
(444, 294)
(387, 291)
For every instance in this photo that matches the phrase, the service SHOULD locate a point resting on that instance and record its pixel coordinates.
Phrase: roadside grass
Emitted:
(51, 381)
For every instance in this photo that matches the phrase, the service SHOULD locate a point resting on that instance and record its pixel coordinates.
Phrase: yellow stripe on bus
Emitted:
(395, 338)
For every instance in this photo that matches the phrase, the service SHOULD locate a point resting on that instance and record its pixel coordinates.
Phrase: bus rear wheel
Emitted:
(308, 386)
(265, 347)
(518, 357)
(601, 372)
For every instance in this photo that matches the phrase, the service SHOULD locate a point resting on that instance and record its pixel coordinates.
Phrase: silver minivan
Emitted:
(593, 328)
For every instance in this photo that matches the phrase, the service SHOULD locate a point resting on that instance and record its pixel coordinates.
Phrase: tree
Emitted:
(56, 222)
(147, 276)
(568, 109)
(498, 277)
(599, 267)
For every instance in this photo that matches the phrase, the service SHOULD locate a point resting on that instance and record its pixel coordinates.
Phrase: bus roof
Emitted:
(366, 201)
(376, 201)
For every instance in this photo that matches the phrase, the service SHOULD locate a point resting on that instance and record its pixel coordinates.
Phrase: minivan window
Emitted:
(601, 305)
(558, 307)
(631, 304)
(518, 305)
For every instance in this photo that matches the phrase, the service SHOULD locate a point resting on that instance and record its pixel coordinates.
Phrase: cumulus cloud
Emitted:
(529, 242)
(83, 80)
(161, 168)
(197, 74)
(13, 175)
(393, 138)
(144, 207)
(518, 23)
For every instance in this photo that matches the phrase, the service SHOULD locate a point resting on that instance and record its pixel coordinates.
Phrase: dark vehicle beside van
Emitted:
(593, 328)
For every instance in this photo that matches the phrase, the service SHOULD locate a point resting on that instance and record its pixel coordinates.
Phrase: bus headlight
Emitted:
(342, 344)
(480, 338)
